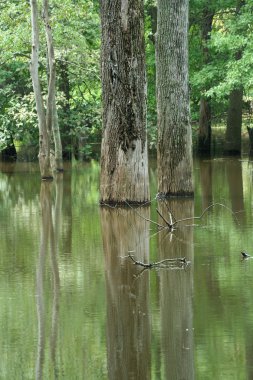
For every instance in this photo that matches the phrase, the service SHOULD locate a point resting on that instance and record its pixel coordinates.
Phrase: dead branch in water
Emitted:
(178, 262)
(171, 225)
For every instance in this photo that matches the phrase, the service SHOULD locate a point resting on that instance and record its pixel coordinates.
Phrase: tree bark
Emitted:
(234, 123)
(44, 138)
(174, 156)
(124, 161)
(51, 115)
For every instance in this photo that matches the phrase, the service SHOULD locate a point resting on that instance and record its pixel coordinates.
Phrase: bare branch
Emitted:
(168, 224)
(141, 216)
(203, 213)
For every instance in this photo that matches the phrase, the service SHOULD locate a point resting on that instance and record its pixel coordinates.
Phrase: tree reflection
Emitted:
(206, 181)
(176, 295)
(50, 223)
(127, 291)
(235, 185)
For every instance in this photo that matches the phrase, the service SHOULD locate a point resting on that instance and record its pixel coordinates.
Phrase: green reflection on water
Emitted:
(73, 307)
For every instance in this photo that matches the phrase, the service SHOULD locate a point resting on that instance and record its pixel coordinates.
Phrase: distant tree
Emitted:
(205, 131)
(124, 162)
(234, 115)
(174, 156)
(48, 120)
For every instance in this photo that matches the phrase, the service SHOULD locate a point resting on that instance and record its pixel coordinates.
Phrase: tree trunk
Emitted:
(204, 138)
(124, 161)
(64, 86)
(205, 132)
(234, 123)
(174, 156)
(234, 118)
(51, 116)
(44, 138)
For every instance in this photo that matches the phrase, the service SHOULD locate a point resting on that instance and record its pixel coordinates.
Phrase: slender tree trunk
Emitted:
(51, 116)
(64, 86)
(234, 123)
(205, 131)
(44, 138)
(174, 156)
(124, 161)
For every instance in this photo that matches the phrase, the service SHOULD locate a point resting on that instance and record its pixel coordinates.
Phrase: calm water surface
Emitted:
(73, 305)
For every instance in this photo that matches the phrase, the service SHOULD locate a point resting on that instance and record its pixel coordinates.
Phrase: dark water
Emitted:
(74, 306)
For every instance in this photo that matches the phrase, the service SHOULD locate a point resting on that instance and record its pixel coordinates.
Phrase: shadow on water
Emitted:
(176, 291)
(50, 224)
(127, 293)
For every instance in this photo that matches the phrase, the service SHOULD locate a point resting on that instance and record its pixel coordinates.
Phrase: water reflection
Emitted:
(206, 181)
(176, 288)
(235, 186)
(127, 293)
(50, 225)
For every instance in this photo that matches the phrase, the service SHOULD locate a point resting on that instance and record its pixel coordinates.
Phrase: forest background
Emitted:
(220, 66)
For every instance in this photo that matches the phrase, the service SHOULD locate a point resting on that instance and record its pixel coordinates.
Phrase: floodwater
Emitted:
(74, 305)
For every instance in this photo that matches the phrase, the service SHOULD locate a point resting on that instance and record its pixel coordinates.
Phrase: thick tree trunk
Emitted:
(174, 133)
(44, 138)
(234, 123)
(204, 138)
(124, 162)
(51, 116)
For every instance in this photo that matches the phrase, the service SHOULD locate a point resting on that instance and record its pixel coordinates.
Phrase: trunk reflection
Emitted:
(176, 288)
(50, 225)
(127, 292)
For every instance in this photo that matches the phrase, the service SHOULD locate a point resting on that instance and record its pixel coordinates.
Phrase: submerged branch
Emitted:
(166, 263)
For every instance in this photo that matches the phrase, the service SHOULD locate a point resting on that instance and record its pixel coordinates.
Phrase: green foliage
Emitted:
(229, 49)
(76, 32)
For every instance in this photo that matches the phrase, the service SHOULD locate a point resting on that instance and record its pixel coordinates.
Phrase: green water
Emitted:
(74, 306)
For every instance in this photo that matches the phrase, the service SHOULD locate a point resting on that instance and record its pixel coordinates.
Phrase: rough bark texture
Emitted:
(124, 162)
(234, 123)
(44, 138)
(51, 116)
(174, 132)
(204, 138)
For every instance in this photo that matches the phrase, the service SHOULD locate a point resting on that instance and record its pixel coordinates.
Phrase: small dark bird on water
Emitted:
(245, 255)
